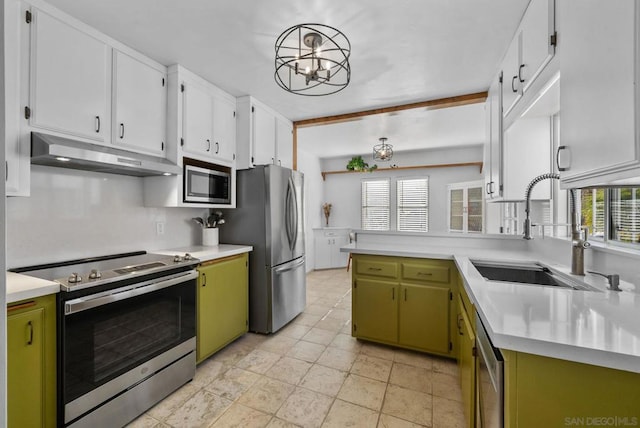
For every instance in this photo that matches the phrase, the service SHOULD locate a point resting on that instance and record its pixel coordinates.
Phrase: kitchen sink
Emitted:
(527, 274)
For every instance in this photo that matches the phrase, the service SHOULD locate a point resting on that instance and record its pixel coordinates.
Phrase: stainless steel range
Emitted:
(126, 334)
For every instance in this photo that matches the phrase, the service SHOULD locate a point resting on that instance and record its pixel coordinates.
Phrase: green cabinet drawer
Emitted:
(373, 267)
(425, 272)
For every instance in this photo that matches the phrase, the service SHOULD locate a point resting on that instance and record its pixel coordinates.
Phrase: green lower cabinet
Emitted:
(424, 318)
(548, 392)
(467, 364)
(31, 363)
(375, 310)
(223, 304)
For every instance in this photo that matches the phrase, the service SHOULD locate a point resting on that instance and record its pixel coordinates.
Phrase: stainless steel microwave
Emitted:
(206, 183)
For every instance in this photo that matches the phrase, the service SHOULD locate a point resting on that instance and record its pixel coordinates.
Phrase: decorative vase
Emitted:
(210, 236)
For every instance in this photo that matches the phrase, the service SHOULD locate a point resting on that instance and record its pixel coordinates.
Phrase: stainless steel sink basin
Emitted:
(526, 273)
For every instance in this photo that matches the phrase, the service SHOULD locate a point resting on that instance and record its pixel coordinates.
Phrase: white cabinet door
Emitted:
(598, 116)
(322, 252)
(339, 259)
(512, 86)
(284, 138)
(264, 136)
(537, 29)
(140, 105)
(197, 128)
(69, 80)
(224, 129)
(493, 173)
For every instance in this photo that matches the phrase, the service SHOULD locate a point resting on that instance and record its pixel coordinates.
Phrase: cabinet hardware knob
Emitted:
(558, 158)
(393, 294)
(217, 147)
(520, 73)
(425, 273)
(375, 269)
(97, 124)
(204, 279)
(121, 131)
(513, 80)
(405, 294)
(208, 145)
(30, 335)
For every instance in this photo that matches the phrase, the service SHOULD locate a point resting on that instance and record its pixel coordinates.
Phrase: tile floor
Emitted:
(312, 373)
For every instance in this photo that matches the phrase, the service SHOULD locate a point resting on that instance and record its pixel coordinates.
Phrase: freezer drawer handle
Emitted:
(292, 267)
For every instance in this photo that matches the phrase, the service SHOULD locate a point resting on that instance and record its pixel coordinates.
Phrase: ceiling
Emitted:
(402, 51)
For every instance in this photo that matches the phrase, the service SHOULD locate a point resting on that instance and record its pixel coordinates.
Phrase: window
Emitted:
(375, 205)
(466, 207)
(612, 214)
(413, 204)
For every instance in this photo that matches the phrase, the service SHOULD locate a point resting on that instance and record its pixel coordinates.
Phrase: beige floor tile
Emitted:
(280, 423)
(387, 421)
(363, 391)
(414, 378)
(343, 414)
(372, 367)
(239, 416)
(199, 411)
(413, 358)
(410, 405)
(146, 421)
(163, 409)
(316, 309)
(376, 350)
(289, 370)
(307, 319)
(207, 371)
(447, 413)
(232, 383)
(330, 324)
(323, 379)
(305, 408)
(445, 365)
(279, 344)
(251, 339)
(446, 386)
(306, 351)
(340, 314)
(258, 361)
(337, 359)
(231, 354)
(295, 331)
(346, 342)
(347, 328)
(266, 395)
(320, 336)
(326, 302)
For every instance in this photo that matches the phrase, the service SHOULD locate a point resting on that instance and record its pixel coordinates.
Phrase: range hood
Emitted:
(62, 152)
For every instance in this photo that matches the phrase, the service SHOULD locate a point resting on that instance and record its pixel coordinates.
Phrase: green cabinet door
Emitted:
(467, 364)
(222, 304)
(375, 310)
(31, 376)
(424, 317)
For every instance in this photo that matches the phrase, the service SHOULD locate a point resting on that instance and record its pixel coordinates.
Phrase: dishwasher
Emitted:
(489, 384)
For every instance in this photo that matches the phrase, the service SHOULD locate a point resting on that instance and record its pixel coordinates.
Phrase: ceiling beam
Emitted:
(459, 100)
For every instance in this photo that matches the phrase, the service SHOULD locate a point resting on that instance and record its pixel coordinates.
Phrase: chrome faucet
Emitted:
(579, 239)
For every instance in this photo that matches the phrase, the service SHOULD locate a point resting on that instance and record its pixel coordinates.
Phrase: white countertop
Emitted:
(209, 253)
(599, 328)
(22, 287)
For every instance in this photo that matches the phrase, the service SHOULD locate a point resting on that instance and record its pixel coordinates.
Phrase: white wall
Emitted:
(73, 214)
(3, 285)
(309, 165)
(343, 190)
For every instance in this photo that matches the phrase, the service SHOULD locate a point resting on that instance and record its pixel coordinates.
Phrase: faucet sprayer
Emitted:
(578, 242)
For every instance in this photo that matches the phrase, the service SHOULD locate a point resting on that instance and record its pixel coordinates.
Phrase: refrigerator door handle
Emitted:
(290, 267)
(294, 224)
(287, 214)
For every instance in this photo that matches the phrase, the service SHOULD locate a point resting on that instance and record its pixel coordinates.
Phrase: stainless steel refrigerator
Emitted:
(269, 216)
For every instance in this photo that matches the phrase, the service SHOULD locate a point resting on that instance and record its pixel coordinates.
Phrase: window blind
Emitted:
(375, 205)
(413, 204)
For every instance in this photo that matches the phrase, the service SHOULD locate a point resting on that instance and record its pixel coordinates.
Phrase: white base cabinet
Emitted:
(327, 247)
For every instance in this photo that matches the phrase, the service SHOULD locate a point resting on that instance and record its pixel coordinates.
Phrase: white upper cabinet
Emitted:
(493, 146)
(530, 50)
(224, 128)
(264, 136)
(69, 88)
(284, 142)
(197, 113)
(599, 141)
(139, 105)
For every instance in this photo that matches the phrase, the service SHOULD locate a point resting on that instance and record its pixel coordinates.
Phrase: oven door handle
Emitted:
(88, 302)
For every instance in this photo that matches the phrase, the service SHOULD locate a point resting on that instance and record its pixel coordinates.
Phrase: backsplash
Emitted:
(73, 214)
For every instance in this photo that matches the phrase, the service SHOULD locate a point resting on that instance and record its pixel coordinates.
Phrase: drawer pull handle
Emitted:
(204, 279)
(460, 328)
(425, 273)
(405, 294)
(375, 269)
(30, 333)
(393, 294)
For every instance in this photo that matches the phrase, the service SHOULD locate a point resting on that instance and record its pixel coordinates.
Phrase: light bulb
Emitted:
(327, 65)
(307, 69)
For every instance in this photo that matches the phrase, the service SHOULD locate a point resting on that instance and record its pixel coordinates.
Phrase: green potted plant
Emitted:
(358, 164)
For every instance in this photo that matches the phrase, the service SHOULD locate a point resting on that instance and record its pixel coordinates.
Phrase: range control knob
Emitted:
(95, 274)
(74, 278)
(187, 256)
(177, 258)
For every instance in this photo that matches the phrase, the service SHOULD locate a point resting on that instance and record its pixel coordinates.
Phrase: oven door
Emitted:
(489, 385)
(206, 185)
(115, 339)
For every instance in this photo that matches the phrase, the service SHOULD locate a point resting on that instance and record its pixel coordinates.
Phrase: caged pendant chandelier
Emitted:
(382, 151)
(312, 60)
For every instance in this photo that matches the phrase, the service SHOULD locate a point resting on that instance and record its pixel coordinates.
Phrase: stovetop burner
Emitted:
(92, 272)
